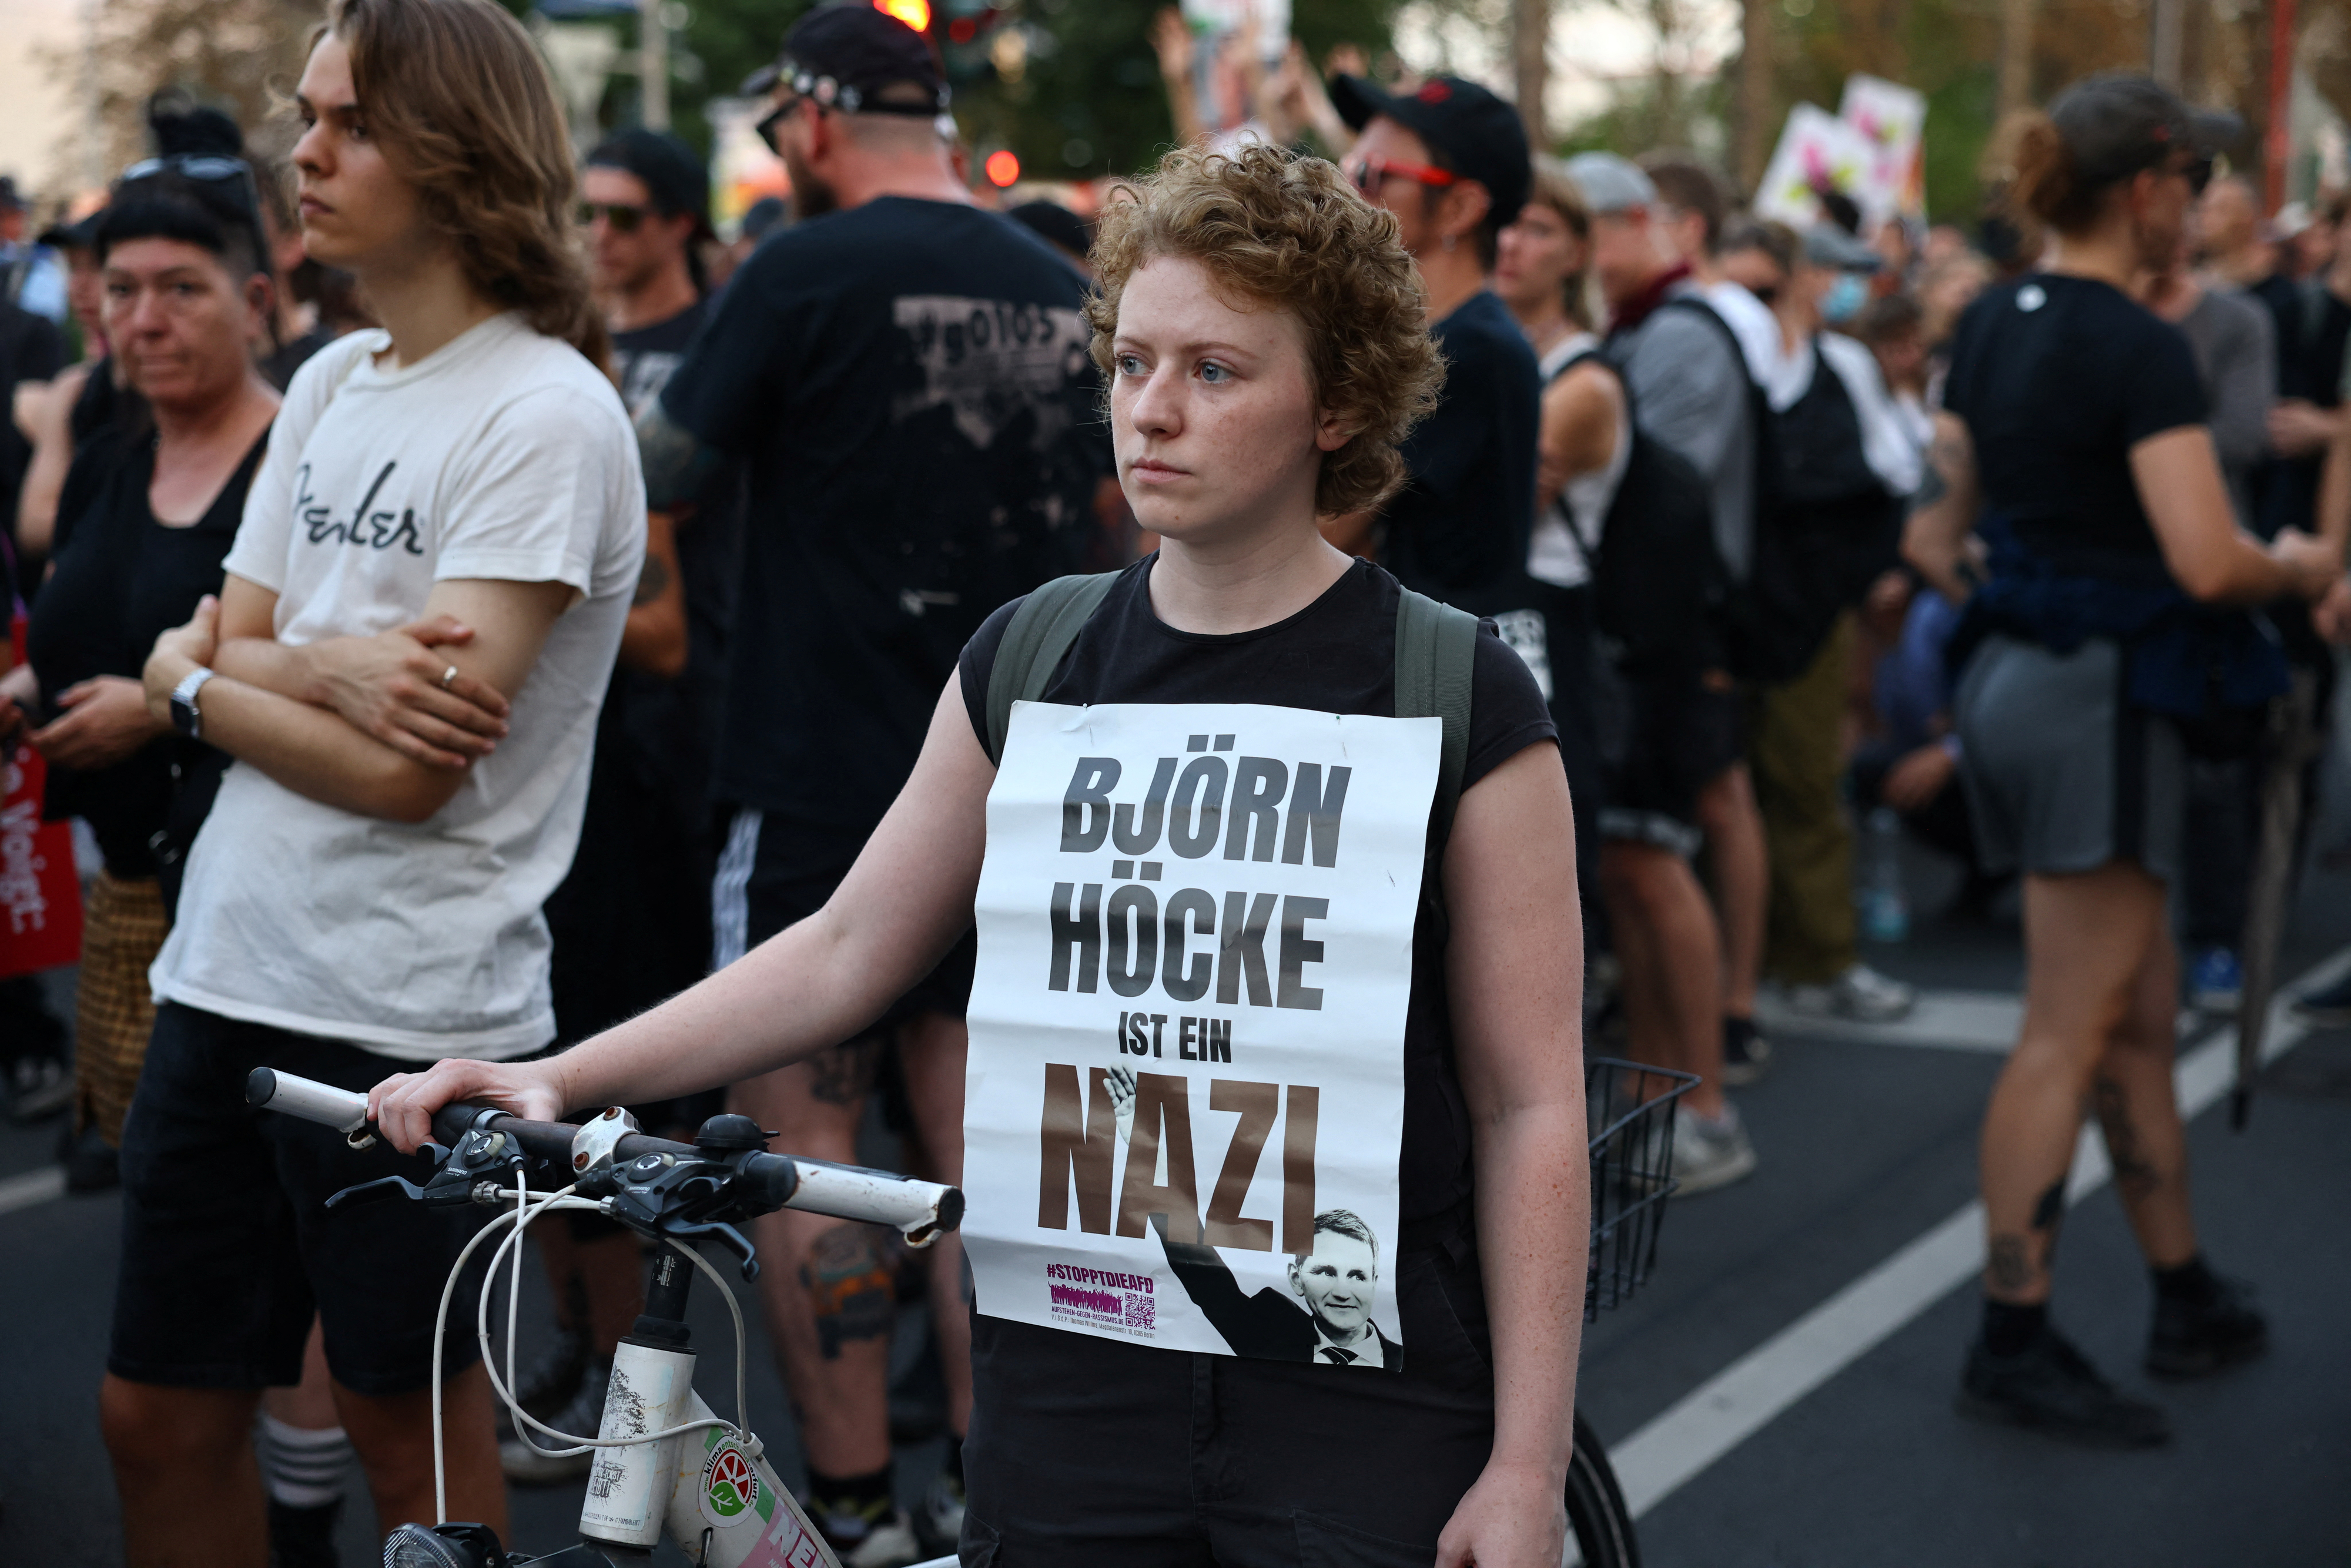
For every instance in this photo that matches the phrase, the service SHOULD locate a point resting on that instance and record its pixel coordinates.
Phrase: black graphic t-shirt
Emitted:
(907, 383)
(1336, 655)
(1458, 530)
(675, 723)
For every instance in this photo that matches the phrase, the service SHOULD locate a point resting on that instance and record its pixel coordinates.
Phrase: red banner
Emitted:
(40, 896)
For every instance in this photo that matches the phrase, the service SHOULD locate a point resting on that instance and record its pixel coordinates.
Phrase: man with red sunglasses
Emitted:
(1450, 161)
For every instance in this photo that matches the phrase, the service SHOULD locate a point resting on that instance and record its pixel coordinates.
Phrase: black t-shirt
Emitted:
(908, 383)
(31, 350)
(1336, 655)
(674, 724)
(2057, 377)
(123, 578)
(1458, 531)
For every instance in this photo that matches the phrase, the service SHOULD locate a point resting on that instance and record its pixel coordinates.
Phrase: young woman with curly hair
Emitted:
(422, 606)
(1403, 1385)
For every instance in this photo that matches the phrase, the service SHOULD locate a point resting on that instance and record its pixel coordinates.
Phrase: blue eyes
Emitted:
(1211, 372)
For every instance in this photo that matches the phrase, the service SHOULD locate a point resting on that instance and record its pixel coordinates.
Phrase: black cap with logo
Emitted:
(1479, 136)
(844, 55)
(2114, 126)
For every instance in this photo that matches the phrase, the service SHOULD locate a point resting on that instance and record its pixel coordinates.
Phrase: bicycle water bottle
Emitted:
(1885, 907)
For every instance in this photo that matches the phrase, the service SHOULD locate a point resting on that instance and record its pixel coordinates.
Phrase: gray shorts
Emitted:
(2062, 776)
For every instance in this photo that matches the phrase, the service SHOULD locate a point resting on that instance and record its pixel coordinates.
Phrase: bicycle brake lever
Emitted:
(376, 1191)
(734, 1240)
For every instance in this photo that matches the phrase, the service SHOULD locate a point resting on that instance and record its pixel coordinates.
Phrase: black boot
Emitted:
(2050, 1386)
(2204, 1326)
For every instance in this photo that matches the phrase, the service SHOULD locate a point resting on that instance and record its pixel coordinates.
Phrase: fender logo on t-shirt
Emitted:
(365, 526)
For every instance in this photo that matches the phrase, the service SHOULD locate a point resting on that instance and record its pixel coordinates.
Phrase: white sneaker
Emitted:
(1860, 994)
(889, 1544)
(1709, 1154)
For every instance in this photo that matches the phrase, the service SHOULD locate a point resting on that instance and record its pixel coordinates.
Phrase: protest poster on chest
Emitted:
(1186, 1092)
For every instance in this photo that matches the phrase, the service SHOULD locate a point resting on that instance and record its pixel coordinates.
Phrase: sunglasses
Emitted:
(766, 128)
(621, 218)
(1368, 174)
(213, 170)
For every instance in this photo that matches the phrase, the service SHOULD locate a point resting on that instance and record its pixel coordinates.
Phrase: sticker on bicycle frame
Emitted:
(732, 1493)
(1184, 1095)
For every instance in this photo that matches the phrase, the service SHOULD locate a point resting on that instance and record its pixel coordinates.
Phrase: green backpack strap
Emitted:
(1042, 629)
(1435, 649)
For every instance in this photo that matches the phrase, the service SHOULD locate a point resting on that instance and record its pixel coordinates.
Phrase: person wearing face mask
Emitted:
(1845, 465)
(2074, 436)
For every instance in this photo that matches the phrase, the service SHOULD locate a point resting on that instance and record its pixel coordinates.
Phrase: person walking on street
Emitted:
(2074, 427)
(904, 377)
(450, 511)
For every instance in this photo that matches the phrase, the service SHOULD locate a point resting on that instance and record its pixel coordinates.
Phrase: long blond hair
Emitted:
(456, 93)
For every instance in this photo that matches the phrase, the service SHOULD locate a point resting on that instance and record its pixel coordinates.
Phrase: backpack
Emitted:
(1768, 616)
(1436, 650)
(1659, 589)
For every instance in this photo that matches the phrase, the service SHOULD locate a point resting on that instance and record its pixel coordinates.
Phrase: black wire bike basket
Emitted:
(1631, 1111)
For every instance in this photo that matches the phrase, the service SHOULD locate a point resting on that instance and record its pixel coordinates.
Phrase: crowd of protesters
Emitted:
(341, 572)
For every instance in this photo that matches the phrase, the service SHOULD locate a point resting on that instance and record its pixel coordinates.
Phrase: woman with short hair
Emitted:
(1400, 995)
(146, 516)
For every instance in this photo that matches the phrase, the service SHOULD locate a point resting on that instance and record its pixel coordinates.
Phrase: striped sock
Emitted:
(303, 1468)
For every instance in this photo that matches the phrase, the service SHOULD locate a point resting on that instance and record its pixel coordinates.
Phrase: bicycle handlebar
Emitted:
(761, 1182)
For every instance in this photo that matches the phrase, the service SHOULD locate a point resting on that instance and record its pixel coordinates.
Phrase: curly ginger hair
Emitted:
(1289, 233)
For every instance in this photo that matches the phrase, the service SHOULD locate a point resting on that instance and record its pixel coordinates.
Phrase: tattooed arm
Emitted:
(1943, 518)
(654, 638)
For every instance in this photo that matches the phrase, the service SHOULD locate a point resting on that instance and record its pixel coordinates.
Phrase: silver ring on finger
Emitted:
(447, 676)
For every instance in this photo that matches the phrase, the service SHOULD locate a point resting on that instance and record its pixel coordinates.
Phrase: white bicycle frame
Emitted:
(665, 1460)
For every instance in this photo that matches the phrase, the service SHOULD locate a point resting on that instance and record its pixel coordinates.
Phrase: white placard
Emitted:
(1196, 929)
(1817, 151)
(1892, 118)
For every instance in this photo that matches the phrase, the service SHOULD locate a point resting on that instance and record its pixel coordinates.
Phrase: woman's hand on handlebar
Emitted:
(401, 1106)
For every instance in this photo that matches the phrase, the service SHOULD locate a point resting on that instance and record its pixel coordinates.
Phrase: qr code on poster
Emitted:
(1138, 1311)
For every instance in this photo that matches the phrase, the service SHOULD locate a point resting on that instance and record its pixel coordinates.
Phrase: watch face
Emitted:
(184, 715)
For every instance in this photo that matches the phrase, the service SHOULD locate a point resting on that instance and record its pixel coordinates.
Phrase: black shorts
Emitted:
(776, 869)
(1088, 1451)
(1664, 739)
(228, 1246)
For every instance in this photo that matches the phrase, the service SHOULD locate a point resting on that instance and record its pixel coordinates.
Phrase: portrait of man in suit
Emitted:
(1334, 1287)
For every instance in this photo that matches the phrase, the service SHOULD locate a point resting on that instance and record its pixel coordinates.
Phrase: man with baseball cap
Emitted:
(1450, 161)
(905, 378)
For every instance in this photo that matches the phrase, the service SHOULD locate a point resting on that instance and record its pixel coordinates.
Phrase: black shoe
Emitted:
(91, 1163)
(2052, 1387)
(1745, 1052)
(550, 1381)
(303, 1537)
(2193, 1338)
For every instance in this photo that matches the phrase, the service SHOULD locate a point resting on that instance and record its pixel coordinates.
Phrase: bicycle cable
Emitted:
(518, 1219)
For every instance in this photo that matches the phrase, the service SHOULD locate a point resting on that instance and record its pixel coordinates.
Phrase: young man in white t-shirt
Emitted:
(451, 511)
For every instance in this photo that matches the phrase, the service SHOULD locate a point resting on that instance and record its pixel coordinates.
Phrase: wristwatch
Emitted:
(185, 717)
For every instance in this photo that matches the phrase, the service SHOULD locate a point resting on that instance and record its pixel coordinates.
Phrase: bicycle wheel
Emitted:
(1596, 1514)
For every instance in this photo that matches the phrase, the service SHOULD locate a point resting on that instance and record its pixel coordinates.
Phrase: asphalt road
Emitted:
(1781, 1393)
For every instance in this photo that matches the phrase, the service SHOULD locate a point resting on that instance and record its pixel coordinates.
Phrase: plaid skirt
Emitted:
(123, 925)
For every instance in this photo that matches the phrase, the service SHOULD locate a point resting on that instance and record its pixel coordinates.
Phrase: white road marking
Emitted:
(33, 1187)
(1985, 1021)
(1748, 1394)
